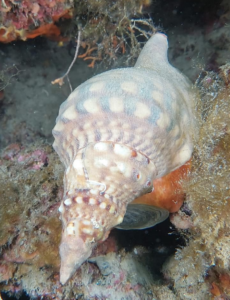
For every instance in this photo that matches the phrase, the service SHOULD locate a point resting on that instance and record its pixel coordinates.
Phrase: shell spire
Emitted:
(92, 208)
(116, 133)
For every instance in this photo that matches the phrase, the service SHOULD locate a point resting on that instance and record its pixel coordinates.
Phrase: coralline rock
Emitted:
(186, 271)
(29, 224)
(201, 269)
(29, 19)
(124, 278)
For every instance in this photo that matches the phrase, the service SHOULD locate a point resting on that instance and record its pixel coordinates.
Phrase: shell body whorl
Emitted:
(116, 133)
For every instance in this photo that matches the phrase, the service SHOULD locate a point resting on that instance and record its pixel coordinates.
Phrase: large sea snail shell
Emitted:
(116, 133)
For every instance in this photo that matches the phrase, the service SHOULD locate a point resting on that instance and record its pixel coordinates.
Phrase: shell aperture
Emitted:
(115, 134)
(142, 216)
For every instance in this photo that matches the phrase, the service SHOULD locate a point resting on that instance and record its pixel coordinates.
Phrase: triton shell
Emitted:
(115, 134)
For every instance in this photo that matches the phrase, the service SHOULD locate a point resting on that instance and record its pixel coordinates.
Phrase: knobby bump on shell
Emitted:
(115, 134)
